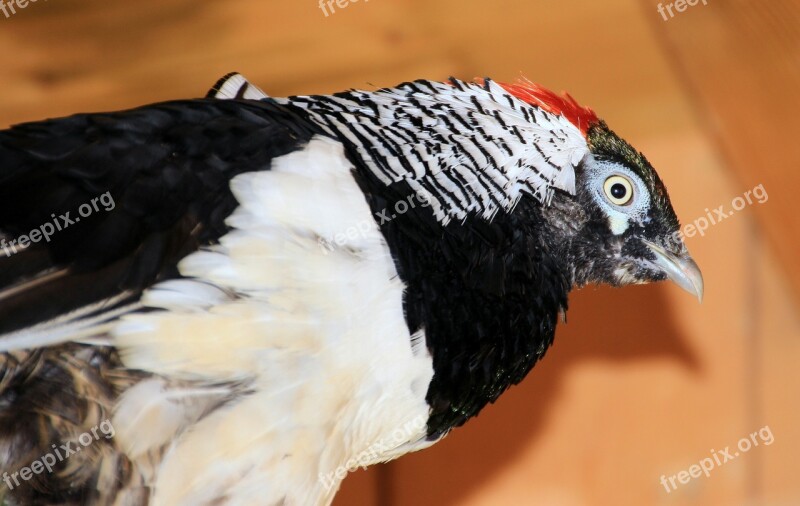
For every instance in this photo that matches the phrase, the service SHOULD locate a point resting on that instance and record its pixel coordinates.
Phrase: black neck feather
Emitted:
(487, 296)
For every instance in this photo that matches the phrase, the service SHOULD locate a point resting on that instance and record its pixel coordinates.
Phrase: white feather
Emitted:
(233, 85)
(320, 334)
(85, 323)
(149, 414)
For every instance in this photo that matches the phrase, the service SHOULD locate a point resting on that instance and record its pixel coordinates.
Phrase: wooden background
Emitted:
(642, 381)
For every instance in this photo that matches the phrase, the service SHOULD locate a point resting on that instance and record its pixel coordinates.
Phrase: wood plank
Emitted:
(641, 381)
(740, 63)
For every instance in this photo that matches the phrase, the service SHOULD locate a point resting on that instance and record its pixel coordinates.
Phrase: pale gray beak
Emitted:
(682, 270)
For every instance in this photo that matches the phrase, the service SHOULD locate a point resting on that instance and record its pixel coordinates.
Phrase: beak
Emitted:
(682, 270)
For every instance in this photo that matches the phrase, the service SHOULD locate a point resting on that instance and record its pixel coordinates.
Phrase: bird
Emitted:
(238, 299)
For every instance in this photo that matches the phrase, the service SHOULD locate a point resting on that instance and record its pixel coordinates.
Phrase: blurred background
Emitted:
(642, 382)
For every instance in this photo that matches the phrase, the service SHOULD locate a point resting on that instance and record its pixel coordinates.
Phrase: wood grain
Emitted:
(740, 63)
(642, 381)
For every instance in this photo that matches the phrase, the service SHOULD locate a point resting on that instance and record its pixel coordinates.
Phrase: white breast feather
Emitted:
(319, 335)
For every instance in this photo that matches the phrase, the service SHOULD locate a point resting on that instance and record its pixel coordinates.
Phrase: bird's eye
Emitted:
(619, 190)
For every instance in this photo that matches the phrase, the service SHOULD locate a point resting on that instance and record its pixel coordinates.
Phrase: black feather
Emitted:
(165, 166)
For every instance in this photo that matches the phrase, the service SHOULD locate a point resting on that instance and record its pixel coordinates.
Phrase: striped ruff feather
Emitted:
(468, 148)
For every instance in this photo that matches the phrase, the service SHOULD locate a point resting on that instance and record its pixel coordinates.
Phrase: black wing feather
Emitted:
(167, 168)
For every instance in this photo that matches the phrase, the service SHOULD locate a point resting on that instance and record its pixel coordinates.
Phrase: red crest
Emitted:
(582, 117)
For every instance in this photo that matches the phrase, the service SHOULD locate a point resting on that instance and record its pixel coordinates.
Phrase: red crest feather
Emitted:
(564, 105)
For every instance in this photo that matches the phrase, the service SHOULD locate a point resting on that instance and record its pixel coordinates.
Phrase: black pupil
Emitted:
(618, 191)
